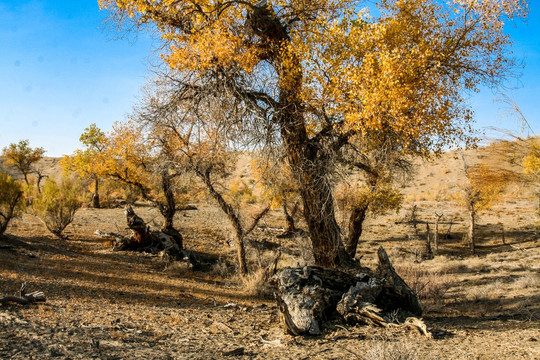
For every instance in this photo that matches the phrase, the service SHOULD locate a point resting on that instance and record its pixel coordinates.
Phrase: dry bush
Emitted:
(256, 283)
(529, 281)
(430, 285)
(222, 268)
(489, 292)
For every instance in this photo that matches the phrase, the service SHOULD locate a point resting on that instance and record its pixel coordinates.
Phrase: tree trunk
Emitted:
(307, 157)
(356, 221)
(95, 194)
(436, 235)
(5, 218)
(141, 236)
(233, 218)
(471, 235)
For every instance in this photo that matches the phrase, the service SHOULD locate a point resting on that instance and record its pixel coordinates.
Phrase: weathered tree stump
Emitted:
(168, 242)
(308, 295)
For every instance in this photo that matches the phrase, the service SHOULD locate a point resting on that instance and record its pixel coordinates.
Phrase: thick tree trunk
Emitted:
(95, 194)
(356, 221)
(307, 157)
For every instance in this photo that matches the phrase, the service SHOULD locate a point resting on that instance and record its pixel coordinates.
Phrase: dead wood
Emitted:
(24, 298)
(167, 242)
(308, 296)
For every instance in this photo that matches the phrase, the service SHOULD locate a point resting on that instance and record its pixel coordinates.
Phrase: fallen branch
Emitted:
(25, 298)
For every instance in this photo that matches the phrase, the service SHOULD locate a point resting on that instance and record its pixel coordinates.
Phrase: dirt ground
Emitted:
(103, 304)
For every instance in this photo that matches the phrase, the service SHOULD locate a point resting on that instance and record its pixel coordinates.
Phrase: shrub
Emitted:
(57, 204)
(11, 195)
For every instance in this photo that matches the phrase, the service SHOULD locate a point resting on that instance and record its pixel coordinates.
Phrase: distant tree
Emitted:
(57, 204)
(11, 195)
(484, 187)
(23, 157)
(88, 162)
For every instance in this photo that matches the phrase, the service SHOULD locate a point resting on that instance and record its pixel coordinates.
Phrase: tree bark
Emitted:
(356, 221)
(290, 226)
(24, 298)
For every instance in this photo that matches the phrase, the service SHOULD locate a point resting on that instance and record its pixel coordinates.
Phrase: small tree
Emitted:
(191, 131)
(485, 185)
(88, 163)
(57, 204)
(11, 196)
(23, 157)
(141, 159)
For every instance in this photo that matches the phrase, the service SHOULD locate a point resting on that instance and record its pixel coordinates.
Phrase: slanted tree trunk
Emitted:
(356, 221)
(239, 231)
(141, 236)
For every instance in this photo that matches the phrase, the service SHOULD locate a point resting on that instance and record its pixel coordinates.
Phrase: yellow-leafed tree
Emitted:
(484, 187)
(316, 74)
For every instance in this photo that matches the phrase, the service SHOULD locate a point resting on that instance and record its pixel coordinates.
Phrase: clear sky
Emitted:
(60, 71)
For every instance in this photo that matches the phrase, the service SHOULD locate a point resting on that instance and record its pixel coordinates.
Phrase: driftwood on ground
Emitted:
(24, 298)
(308, 296)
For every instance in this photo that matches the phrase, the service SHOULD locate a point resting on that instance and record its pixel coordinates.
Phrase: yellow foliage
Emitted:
(379, 200)
(57, 204)
(11, 200)
(485, 186)
(240, 192)
(403, 70)
(531, 163)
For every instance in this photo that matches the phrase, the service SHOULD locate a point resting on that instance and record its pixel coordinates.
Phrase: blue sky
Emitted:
(61, 71)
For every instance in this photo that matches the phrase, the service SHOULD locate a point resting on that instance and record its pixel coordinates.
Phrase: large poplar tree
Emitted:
(317, 73)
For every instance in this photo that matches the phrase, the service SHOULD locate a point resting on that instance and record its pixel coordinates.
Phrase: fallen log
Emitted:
(24, 298)
(308, 296)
